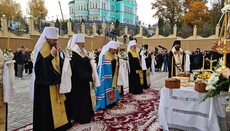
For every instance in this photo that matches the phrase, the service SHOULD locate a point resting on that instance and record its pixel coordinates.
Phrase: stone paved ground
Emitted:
(21, 110)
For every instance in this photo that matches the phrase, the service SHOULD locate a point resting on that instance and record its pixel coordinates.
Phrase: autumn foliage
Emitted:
(37, 9)
(11, 9)
(197, 14)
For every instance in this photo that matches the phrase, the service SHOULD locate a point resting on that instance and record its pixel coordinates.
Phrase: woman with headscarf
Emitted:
(107, 94)
(78, 102)
(136, 80)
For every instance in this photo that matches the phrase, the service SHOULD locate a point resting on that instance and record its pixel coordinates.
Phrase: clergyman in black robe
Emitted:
(135, 74)
(176, 59)
(49, 110)
(79, 103)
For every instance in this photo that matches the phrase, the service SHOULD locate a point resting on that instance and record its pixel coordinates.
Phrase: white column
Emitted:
(175, 30)
(195, 32)
(4, 25)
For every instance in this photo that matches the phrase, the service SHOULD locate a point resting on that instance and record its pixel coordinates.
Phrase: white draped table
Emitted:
(183, 109)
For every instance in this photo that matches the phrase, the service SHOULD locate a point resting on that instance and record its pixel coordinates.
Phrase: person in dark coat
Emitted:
(197, 59)
(20, 60)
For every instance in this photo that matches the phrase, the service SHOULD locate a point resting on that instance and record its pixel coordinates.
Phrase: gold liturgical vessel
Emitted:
(222, 43)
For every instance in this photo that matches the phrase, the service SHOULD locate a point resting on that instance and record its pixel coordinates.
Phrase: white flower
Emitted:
(68, 53)
(92, 55)
(210, 87)
(221, 61)
(123, 55)
(7, 55)
(213, 79)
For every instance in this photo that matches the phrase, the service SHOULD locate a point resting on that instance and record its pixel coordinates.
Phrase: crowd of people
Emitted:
(22, 62)
(196, 58)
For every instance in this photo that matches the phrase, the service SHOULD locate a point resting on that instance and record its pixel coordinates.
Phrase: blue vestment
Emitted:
(105, 93)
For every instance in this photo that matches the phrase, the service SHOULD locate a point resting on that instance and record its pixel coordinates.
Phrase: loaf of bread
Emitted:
(172, 83)
(200, 86)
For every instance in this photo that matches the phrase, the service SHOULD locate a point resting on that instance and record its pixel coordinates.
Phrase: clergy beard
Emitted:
(177, 48)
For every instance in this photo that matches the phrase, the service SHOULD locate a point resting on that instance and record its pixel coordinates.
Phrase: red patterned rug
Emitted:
(132, 113)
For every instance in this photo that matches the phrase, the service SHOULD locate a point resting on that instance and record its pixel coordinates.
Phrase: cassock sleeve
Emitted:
(45, 72)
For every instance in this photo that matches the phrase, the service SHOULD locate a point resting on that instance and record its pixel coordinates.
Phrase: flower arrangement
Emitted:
(92, 55)
(7, 55)
(216, 83)
(124, 55)
(68, 52)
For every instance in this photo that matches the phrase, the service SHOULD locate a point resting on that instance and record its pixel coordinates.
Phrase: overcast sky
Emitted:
(144, 9)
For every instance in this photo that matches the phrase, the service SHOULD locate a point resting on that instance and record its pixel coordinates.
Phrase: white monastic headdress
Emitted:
(112, 45)
(72, 43)
(131, 43)
(80, 38)
(48, 33)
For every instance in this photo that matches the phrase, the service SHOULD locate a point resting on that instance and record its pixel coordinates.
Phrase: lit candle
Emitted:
(218, 43)
(211, 62)
(8, 41)
(203, 68)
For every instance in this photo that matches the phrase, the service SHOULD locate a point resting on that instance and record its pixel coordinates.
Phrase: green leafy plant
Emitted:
(216, 83)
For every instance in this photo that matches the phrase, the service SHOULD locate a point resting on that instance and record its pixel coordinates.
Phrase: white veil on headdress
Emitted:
(49, 33)
(131, 43)
(111, 44)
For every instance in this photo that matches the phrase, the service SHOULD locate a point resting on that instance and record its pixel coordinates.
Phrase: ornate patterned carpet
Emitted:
(132, 113)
